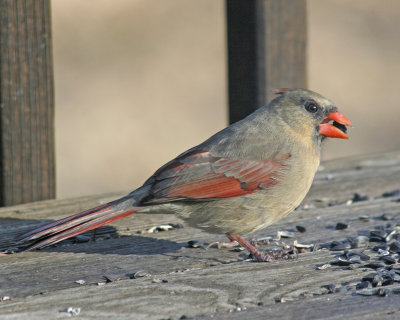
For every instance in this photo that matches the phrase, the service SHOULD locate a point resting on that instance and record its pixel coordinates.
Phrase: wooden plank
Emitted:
(26, 99)
(266, 50)
(178, 280)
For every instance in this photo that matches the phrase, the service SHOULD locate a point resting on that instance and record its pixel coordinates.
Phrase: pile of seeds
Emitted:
(380, 253)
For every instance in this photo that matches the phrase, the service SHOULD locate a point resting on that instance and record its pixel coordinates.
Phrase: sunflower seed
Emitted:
(301, 229)
(193, 244)
(357, 197)
(375, 265)
(382, 246)
(388, 259)
(330, 287)
(369, 277)
(393, 193)
(339, 245)
(369, 292)
(386, 217)
(395, 246)
(379, 234)
(341, 226)
(363, 285)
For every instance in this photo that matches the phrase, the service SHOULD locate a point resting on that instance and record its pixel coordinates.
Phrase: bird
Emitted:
(242, 179)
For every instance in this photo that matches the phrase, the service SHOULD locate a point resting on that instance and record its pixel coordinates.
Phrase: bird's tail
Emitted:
(65, 228)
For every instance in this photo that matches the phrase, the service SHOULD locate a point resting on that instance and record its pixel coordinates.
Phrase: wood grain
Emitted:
(178, 280)
(26, 98)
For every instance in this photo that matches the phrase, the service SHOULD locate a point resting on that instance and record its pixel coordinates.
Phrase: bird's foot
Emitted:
(284, 254)
(273, 255)
(221, 244)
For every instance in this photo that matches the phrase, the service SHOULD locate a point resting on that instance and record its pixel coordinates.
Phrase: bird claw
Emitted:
(221, 245)
(273, 255)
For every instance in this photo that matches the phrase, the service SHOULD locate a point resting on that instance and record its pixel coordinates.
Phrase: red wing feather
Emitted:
(199, 175)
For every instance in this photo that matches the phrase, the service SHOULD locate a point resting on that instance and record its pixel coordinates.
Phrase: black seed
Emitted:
(382, 246)
(387, 281)
(378, 233)
(393, 193)
(341, 290)
(363, 256)
(193, 244)
(341, 262)
(260, 304)
(357, 197)
(341, 226)
(375, 265)
(386, 217)
(376, 239)
(395, 268)
(369, 277)
(388, 259)
(330, 287)
(364, 218)
(369, 292)
(395, 246)
(301, 229)
(394, 276)
(340, 126)
(363, 285)
(338, 245)
(355, 259)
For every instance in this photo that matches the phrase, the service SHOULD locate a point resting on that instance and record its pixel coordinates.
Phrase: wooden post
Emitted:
(26, 102)
(266, 51)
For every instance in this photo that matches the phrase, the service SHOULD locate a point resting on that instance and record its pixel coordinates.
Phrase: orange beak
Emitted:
(337, 129)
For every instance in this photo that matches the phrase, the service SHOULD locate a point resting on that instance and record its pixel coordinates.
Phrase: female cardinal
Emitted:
(241, 179)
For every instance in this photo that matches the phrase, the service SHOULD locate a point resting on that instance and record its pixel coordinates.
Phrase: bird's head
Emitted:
(309, 113)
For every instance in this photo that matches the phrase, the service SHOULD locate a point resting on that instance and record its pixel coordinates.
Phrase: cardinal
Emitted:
(242, 179)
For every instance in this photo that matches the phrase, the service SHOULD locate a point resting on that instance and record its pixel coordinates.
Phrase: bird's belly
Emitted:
(238, 215)
(247, 213)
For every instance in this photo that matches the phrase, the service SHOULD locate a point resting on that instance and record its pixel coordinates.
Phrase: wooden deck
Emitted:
(128, 273)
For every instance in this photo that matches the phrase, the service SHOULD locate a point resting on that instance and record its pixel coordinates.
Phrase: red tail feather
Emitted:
(73, 225)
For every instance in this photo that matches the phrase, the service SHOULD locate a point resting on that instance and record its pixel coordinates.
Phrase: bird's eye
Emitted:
(311, 107)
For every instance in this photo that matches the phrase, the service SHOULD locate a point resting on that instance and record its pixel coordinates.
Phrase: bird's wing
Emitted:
(198, 175)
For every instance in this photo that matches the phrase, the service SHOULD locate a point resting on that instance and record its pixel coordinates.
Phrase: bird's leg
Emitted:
(262, 256)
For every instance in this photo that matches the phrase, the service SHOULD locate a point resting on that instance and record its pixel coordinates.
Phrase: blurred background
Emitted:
(140, 81)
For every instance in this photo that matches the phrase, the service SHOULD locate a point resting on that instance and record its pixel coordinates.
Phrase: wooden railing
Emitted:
(266, 50)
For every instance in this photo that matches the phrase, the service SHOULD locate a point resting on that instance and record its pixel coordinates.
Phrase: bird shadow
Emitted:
(103, 240)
